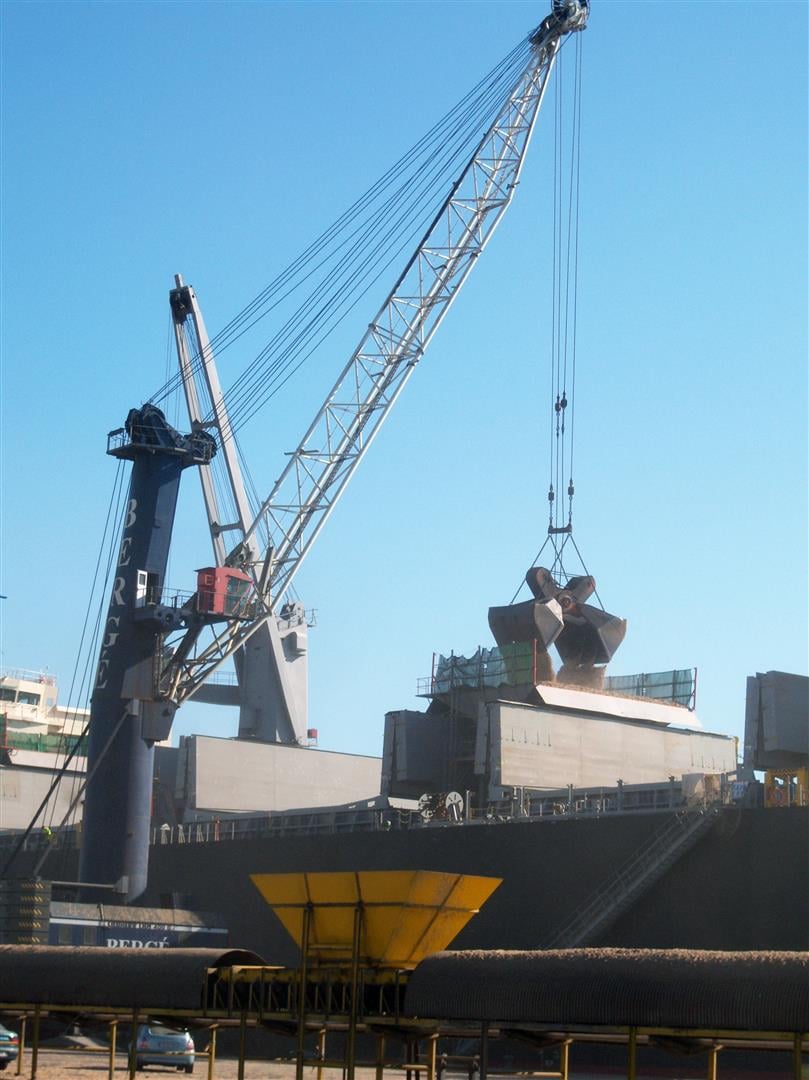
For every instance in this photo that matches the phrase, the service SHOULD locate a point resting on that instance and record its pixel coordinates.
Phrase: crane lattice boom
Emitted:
(317, 473)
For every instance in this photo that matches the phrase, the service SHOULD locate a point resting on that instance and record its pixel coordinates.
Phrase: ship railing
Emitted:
(673, 794)
(43, 742)
(40, 839)
(524, 805)
(27, 675)
(522, 663)
(215, 829)
(635, 875)
(507, 665)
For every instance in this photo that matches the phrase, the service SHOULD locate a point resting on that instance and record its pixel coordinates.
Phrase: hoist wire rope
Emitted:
(318, 329)
(558, 217)
(571, 256)
(283, 370)
(413, 212)
(86, 650)
(534, 562)
(557, 277)
(258, 395)
(576, 255)
(253, 495)
(326, 306)
(337, 306)
(564, 308)
(560, 258)
(170, 367)
(564, 313)
(569, 238)
(551, 456)
(253, 311)
(82, 787)
(223, 491)
(79, 784)
(334, 308)
(396, 227)
(77, 693)
(558, 563)
(368, 229)
(439, 139)
(422, 147)
(98, 599)
(560, 424)
(587, 572)
(226, 510)
(558, 549)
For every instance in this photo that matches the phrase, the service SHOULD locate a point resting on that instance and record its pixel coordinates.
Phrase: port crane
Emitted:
(141, 680)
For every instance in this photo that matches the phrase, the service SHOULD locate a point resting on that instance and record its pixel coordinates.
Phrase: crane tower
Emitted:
(141, 681)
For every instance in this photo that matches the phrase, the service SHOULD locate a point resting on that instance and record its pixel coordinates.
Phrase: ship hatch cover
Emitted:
(399, 916)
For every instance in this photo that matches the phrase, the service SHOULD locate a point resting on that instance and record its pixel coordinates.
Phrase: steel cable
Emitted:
(577, 122)
(88, 648)
(253, 311)
(355, 277)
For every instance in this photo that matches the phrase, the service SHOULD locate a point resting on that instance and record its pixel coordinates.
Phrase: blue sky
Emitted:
(217, 139)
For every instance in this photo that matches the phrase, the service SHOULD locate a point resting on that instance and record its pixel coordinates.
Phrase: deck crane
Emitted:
(140, 680)
(271, 666)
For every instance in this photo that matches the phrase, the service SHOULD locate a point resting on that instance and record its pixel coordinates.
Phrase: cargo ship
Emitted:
(609, 820)
(612, 816)
(703, 858)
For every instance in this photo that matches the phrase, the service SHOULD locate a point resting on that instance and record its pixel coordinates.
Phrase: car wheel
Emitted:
(139, 1065)
(189, 1068)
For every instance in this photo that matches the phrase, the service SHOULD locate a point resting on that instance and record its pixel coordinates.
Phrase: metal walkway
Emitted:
(633, 878)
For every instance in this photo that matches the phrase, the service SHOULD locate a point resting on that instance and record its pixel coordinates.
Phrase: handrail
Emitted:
(640, 870)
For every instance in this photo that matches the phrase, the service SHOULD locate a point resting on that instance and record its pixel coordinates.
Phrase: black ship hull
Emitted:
(743, 885)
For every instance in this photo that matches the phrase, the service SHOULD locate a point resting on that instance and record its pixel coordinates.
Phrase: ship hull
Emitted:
(743, 885)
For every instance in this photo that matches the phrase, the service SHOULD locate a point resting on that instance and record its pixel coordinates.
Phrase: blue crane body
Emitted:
(124, 723)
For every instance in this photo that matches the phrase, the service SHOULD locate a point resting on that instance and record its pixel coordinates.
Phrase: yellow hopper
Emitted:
(379, 918)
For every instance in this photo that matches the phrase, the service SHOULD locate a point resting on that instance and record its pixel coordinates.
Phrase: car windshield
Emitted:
(162, 1029)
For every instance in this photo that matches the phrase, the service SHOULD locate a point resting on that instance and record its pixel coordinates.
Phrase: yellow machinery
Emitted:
(382, 919)
(360, 934)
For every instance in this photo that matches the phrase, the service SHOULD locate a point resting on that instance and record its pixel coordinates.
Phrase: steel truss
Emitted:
(317, 473)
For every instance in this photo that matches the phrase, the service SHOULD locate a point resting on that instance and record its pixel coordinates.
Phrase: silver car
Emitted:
(159, 1044)
(9, 1046)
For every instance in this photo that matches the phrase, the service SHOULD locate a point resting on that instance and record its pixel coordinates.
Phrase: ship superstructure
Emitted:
(38, 739)
(31, 716)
